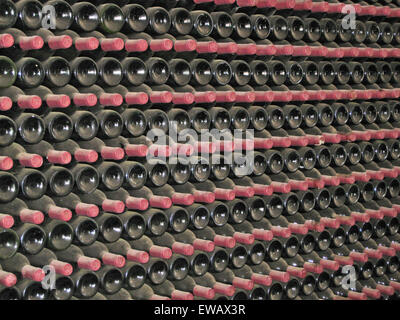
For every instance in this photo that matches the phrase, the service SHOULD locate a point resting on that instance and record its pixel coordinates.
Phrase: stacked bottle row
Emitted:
(111, 17)
(32, 141)
(285, 128)
(218, 82)
(156, 30)
(86, 97)
(29, 73)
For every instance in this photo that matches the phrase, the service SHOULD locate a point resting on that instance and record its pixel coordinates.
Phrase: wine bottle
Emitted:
(28, 178)
(47, 205)
(63, 288)
(85, 72)
(86, 283)
(146, 293)
(189, 285)
(58, 127)
(110, 279)
(20, 264)
(59, 234)
(52, 43)
(136, 18)
(111, 17)
(19, 210)
(64, 17)
(74, 255)
(57, 72)
(21, 44)
(123, 247)
(209, 281)
(228, 276)
(47, 257)
(86, 17)
(99, 250)
(50, 99)
(167, 288)
(8, 137)
(30, 73)
(9, 15)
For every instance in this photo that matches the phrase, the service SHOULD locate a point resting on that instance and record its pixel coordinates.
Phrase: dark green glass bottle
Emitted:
(8, 72)
(112, 19)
